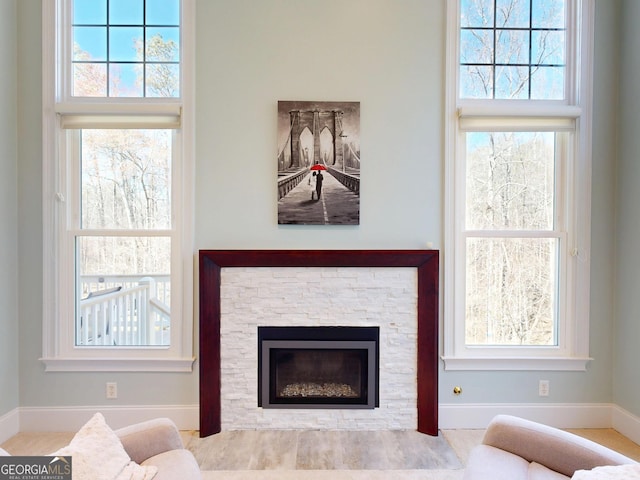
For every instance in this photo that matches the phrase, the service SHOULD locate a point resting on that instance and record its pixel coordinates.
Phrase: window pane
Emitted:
(162, 80)
(124, 80)
(512, 47)
(476, 82)
(476, 13)
(126, 12)
(512, 83)
(163, 44)
(125, 44)
(512, 13)
(511, 291)
(163, 12)
(89, 43)
(547, 83)
(90, 12)
(126, 179)
(476, 47)
(547, 48)
(124, 289)
(90, 79)
(510, 181)
(548, 13)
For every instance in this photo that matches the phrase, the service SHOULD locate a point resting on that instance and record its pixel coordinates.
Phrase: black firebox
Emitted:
(318, 367)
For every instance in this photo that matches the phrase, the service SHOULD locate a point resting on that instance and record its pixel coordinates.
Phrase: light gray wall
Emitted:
(386, 54)
(626, 386)
(30, 200)
(604, 155)
(9, 398)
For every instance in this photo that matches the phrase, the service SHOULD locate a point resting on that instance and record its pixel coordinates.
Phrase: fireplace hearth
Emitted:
(318, 367)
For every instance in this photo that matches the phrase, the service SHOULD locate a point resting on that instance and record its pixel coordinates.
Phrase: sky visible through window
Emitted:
(108, 38)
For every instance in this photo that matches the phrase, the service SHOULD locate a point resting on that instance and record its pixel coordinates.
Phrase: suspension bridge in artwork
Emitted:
(331, 154)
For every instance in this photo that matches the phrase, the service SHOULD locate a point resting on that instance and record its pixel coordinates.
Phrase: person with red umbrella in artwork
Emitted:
(319, 178)
(312, 182)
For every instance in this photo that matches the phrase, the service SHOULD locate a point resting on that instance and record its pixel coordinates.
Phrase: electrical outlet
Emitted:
(543, 388)
(112, 390)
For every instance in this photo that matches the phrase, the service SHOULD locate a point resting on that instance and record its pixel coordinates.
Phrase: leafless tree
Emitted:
(510, 279)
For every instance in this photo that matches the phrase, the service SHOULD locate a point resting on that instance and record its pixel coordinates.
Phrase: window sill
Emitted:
(568, 364)
(118, 364)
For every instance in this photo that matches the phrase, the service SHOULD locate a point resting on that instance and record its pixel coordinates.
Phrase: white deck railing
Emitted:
(124, 311)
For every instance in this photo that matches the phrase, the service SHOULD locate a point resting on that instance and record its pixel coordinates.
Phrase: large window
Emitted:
(517, 182)
(117, 182)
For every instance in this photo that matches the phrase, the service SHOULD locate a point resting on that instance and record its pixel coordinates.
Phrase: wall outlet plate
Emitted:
(543, 388)
(112, 390)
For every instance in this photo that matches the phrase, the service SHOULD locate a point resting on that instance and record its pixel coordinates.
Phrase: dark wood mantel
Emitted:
(212, 261)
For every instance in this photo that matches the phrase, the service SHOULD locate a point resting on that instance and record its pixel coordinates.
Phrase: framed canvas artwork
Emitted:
(318, 163)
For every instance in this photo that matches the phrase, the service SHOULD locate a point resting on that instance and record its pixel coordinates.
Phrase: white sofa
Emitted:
(156, 443)
(517, 449)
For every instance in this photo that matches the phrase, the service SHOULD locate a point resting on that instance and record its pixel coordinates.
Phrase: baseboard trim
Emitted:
(626, 423)
(70, 419)
(9, 424)
(564, 415)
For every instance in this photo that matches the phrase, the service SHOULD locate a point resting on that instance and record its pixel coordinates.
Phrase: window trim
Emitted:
(59, 112)
(571, 114)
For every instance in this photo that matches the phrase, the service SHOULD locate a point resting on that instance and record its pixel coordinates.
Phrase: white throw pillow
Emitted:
(619, 472)
(97, 454)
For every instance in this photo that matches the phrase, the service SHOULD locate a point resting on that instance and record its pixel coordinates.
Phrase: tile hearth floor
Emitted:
(323, 450)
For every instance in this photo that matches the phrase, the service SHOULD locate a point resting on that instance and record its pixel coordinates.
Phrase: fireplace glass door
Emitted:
(313, 375)
(318, 373)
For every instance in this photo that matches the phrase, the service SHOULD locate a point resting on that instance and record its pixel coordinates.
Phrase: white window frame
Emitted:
(570, 115)
(62, 111)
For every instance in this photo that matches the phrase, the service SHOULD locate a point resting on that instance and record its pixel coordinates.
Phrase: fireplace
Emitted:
(218, 399)
(318, 367)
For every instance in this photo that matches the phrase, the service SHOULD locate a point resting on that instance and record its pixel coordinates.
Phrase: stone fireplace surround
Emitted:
(218, 265)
